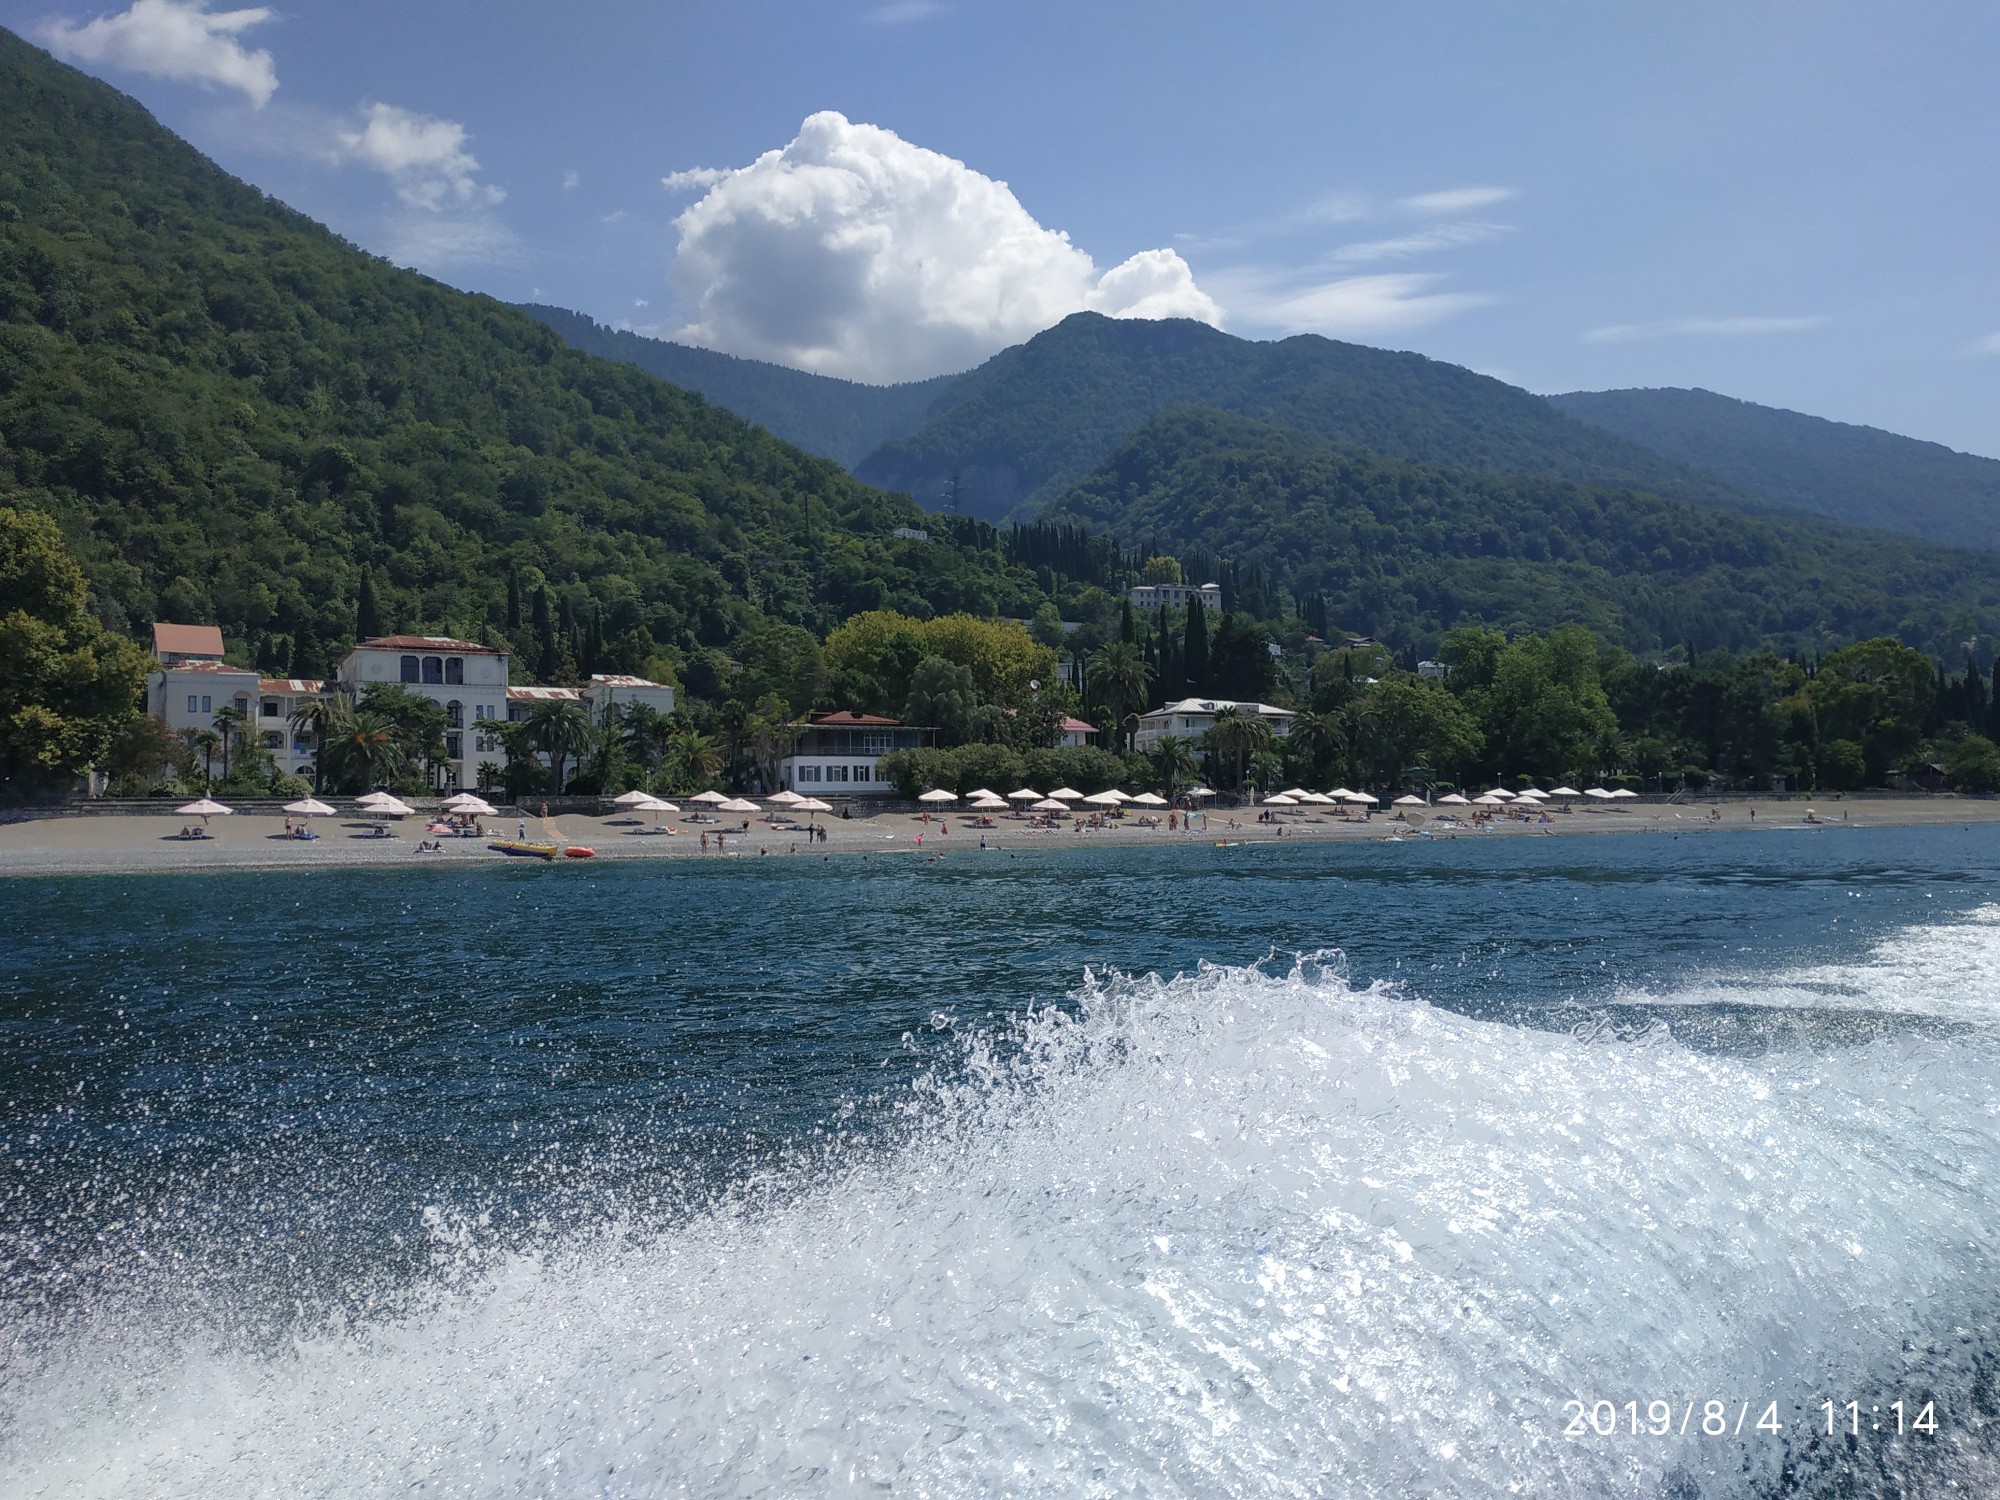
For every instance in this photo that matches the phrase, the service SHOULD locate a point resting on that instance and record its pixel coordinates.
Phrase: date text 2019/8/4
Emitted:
(1716, 1418)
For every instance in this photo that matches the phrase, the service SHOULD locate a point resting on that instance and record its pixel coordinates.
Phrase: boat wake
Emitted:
(1245, 1231)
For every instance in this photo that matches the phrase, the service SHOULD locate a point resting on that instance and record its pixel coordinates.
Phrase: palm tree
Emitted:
(323, 721)
(647, 732)
(371, 749)
(1121, 676)
(1172, 759)
(1315, 739)
(560, 730)
(205, 740)
(228, 723)
(1267, 769)
(1237, 733)
(693, 760)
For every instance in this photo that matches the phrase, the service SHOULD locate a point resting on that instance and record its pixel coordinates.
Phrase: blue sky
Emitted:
(1785, 200)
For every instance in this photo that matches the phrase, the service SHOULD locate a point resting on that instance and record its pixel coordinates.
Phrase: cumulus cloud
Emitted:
(694, 177)
(853, 252)
(423, 156)
(1347, 307)
(1457, 200)
(571, 180)
(178, 39)
(1683, 328)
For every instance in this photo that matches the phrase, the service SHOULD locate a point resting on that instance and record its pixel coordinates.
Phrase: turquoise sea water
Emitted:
(1272, 1170)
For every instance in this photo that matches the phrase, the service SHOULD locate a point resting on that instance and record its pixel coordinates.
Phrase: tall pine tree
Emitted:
(367, 612)
(1194, 650)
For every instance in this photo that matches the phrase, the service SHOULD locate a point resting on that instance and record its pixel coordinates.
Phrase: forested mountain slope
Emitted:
(1858, 474)
(236, 416)
(1036, 418)
(1404, 551)
(838, 419)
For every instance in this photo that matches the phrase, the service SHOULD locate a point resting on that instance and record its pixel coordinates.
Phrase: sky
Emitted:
(1788, 201)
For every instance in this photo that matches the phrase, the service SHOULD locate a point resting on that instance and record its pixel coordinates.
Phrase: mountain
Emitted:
(1036, 418)
(235, 416)
(838, 419)
(1858, 474)
(1405, 551)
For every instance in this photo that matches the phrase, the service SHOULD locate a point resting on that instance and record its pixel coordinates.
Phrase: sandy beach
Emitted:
(144, 844)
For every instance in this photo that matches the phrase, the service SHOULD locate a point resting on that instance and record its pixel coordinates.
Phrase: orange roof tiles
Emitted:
(187, 640)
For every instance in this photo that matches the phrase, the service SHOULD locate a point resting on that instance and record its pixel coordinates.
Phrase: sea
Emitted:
(1644, 1166)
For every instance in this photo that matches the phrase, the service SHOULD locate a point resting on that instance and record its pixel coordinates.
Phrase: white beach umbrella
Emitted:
(1533, 794)
(1281, 800)
(1049, 804)
(1026, 794)
(785, 798)
(988, 804)
(635, 799)
(466, 802)
(1489, 800)
(653, 805)
(1452, 799)
(367, 798)
(1104, 799)
(1065, 794)
(737, 805)
(1198, 791)
(714, 799)
(1149, 799)
(938, 796)
(389, 807)
(981, 794)
(1340, 794)
(1319, 799)
(1296, 793)
(1597, 792)
(1564, 791)
(205, 808)
(1361, 799)
(1502, 793)
(309, 807)
(1411, 801)
(1624, 791)
(812, 805)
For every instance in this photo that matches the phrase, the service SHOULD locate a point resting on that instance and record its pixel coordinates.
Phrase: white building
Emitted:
(277, 699)
(839, 754)
(1074, 734)
(467, 680)
(190, 683)
(608, 690)
(1179, 595)
(1193, 717)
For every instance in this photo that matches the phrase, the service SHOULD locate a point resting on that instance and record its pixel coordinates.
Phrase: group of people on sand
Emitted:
(191, 832)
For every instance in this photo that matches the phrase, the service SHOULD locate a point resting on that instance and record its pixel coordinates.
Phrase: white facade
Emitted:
(1193, 717)
(189, 694)
(609, 689)
(1179, 595)
(840, 754)
(467, 680)
(271, 723)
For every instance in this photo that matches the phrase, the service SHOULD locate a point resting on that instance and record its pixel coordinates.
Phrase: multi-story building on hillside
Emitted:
(467, 680)
(1179, 595)
(1193, 717)
(840, 754)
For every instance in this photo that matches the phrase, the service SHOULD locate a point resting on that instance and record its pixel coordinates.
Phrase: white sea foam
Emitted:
(1236, 1233)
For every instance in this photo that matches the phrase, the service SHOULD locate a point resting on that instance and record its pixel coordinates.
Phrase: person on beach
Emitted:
(704, 842)
(521, 830)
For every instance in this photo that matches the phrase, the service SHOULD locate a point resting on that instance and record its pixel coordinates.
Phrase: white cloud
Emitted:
(423, 156)
(570, 180)
(693, 177)
(1423, 242)
(901, 12)
(1673, 328)
(1457, 200)
(437, 242)
(177, 39)
(1988, 345)
(1348, 307)
(853, 252)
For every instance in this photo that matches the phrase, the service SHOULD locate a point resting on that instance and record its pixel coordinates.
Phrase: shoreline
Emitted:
(143, 844)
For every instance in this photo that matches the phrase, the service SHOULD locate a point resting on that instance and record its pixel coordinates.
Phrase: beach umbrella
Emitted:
(715, 799)
(1105, 799)
(1489, 800)
(1048, 804)
(1564, 791)
(1026, 794)
(1122, 796)
(1502, 793)
(634, 799)
(1340, 794)
(1065, 794)
(1198, 791)
(1625, 791)
(1598, 792)
(812, 805)
(653, 805)
(466, 802)
(1319, 799)
(938, 796)
(205, 808)
(1452, 799)
(1411, 802)
(1361, 799)
(981, 794)
(1281, 800)
(737, 805)
(309, 807)
(1296, 793)
(367, 799)
(989, 804)
(389, 807)
(1149, 799)
(1533, 794)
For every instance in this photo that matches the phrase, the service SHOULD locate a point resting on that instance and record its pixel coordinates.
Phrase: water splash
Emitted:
(1235, 1232)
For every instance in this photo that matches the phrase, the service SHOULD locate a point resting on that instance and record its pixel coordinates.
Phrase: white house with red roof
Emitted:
(190, 683)
(467, 680)
(839, 754)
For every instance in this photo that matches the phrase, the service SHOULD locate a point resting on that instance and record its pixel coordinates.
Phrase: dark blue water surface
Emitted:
(288, 1071)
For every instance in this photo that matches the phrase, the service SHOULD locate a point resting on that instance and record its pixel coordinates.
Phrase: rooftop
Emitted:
(624, 680)
(848, 719)
(187, 640)
(222, 667)
(1216, 705)
(442, 643)
(1072, 725)
(291, 685)
(543, 695)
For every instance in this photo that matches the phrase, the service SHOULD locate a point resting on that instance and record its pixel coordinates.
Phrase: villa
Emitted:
(1191, 718)
(839, 754)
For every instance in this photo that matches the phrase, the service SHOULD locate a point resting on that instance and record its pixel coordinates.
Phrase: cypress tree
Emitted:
(546, 657)
(1194, 649)
(1128, 631)
(513, 599)
(308, 657)
(367, 612)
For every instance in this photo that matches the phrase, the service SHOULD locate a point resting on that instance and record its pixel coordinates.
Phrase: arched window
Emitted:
(454, 670)
(409, 669)
(434, 670)
(454, 714)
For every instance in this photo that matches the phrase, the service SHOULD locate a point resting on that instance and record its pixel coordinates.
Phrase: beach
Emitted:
(146, 843)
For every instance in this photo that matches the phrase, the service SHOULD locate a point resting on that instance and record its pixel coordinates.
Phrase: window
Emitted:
(864, 773)
(269, 708)
(273, 740)
(434, 670)
(194, 704)
(451, 747)
(836, 773)
(205, 702)
(809, 773)
(454, 671)
(409, 669)
(454, 715)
